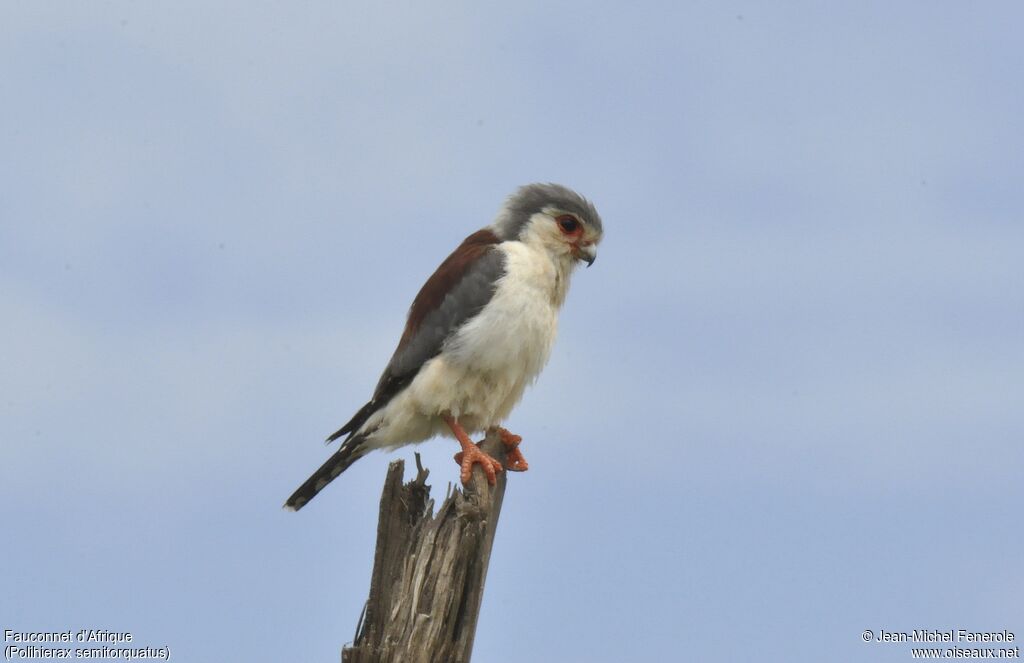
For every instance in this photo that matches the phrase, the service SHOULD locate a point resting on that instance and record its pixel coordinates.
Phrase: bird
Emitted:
(477, 334)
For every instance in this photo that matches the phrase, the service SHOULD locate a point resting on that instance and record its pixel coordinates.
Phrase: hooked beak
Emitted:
(586, 253)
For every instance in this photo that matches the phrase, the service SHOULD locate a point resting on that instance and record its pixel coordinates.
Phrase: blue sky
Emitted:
(785, 405)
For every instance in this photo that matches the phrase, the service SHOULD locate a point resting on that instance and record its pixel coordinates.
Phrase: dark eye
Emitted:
(568, 224)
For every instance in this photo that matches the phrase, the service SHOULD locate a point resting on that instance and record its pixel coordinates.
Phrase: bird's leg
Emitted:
(471, 454)
(514, 459)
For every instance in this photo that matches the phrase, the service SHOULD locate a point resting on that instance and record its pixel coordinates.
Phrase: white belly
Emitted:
(482, 372)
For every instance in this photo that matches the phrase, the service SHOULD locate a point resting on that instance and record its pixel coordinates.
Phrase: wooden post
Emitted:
(428, 570)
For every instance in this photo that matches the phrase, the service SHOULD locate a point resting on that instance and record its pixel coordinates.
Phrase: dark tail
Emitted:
(350, 452)
(353, 425)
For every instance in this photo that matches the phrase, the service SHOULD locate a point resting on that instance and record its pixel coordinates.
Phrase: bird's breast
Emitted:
(513, 335)
(485, 366)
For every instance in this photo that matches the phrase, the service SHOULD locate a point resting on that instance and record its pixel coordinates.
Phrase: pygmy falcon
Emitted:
(479, 331)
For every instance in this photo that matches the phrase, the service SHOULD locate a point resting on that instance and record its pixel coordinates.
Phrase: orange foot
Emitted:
(471, 454)
(514, 460)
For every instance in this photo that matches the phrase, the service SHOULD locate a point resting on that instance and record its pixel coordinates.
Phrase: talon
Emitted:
(510, 439)
(514, 460)
(458, 456)
(471, 454)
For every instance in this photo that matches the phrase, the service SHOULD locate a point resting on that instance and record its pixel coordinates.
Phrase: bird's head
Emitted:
(552, 217)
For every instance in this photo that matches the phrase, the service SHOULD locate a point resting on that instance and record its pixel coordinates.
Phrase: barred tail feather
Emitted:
(350, 452)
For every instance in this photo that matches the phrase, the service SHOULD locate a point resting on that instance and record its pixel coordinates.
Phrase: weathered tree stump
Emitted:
(428, 570)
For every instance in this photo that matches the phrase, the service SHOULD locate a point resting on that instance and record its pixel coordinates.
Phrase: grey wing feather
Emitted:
(467, 298)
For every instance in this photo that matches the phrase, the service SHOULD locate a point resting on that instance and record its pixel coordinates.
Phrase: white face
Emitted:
(563, 235)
